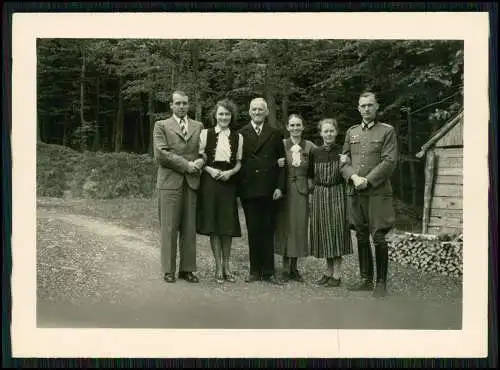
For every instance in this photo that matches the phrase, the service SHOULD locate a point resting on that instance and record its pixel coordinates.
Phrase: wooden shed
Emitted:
(443, 194)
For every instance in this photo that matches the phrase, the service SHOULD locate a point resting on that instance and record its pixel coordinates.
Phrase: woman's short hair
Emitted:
(227, 104)
(331, 121)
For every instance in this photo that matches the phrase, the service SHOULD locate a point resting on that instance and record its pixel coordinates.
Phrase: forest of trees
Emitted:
(105, 94)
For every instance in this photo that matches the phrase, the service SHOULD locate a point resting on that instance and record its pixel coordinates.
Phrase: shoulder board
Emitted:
(385, 125)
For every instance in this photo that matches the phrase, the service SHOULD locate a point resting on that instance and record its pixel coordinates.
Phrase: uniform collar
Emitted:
(369, 124)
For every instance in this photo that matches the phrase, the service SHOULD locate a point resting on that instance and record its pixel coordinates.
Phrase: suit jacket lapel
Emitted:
(190, 128)
(251, 137)
(174, 126)
(263, 137)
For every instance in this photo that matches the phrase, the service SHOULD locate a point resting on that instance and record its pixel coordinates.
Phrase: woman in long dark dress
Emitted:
(217, 212)
(291, 236)
(330, 236)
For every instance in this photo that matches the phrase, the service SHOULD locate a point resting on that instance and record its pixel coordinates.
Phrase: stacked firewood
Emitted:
(428, 253)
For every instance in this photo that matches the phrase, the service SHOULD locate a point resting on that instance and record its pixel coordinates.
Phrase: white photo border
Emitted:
(471, 341)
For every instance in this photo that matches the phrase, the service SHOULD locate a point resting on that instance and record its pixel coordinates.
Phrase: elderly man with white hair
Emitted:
(262, 183)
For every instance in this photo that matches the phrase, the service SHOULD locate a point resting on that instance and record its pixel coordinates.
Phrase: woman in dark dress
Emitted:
(217, 212)
(329, 233)
(292, 227)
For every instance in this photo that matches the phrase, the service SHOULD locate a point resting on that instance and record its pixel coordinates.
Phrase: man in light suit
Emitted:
(176, 147)
(262, 183)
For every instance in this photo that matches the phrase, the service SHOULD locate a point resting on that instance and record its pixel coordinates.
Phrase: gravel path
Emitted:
(97, 273)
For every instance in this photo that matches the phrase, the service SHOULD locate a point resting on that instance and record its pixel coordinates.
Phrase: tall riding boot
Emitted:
(286, 266)
(365, 262)
(382, 261)
(294, 271)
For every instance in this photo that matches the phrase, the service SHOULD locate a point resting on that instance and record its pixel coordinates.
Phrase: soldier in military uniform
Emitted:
(370, 157)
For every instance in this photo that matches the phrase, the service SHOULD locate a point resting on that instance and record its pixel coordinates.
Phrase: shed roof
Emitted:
(440, 133)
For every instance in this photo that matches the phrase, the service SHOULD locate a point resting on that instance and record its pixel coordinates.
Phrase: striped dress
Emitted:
(329, 232)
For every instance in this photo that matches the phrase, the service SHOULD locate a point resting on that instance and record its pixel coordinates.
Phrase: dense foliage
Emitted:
(61, 171)
(105, 94)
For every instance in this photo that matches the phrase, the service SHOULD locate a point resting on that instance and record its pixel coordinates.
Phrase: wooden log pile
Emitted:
(428, 253)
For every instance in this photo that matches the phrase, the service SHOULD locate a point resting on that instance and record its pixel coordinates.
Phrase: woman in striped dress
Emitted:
(329, 232)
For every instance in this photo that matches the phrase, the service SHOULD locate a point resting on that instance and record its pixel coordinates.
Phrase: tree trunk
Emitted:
(270, 97)
(151, 121)
(413, 179)
(195, 58)
(400, 166)
(65, 132)
(142, 144)
(429, 184)
(97, 134)
(119, 119)
(82, 135)
(284, 109)
(229, 78)
(38, 131)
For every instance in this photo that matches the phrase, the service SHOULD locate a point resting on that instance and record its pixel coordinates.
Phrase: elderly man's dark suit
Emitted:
(373, 153)
(259, 176)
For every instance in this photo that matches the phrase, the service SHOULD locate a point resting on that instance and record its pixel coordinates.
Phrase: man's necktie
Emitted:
(183, 128)
(257, 130)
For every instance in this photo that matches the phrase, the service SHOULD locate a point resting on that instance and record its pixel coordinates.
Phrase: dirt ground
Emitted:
(98, 266)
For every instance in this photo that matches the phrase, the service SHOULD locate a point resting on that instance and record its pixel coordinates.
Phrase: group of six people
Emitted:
(299, 199)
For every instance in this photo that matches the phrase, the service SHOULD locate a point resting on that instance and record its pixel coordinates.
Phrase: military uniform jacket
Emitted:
(372, 153)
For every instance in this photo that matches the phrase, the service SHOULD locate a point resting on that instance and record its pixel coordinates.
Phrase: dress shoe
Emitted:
(363, 285)
(324, 279)
(332, 282)
(188, 276)
(228, 276)
(380, 290)
(273, 280)
(251, 278)
(219, 277)
(169, 278)
(285, 276)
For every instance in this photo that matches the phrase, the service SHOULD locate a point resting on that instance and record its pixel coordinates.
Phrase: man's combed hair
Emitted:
(178, 92)
(367, 94)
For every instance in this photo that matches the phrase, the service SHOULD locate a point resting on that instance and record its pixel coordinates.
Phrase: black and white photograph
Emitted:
(212, 188)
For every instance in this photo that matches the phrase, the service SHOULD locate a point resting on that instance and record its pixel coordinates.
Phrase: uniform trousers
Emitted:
(362, 211)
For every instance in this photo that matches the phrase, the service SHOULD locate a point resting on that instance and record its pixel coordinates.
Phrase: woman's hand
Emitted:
(224, 175)
(344, 158)
(213, 172)
(281, 162)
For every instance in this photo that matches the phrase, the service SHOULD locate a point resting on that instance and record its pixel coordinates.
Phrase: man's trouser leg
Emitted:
(358, 210)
